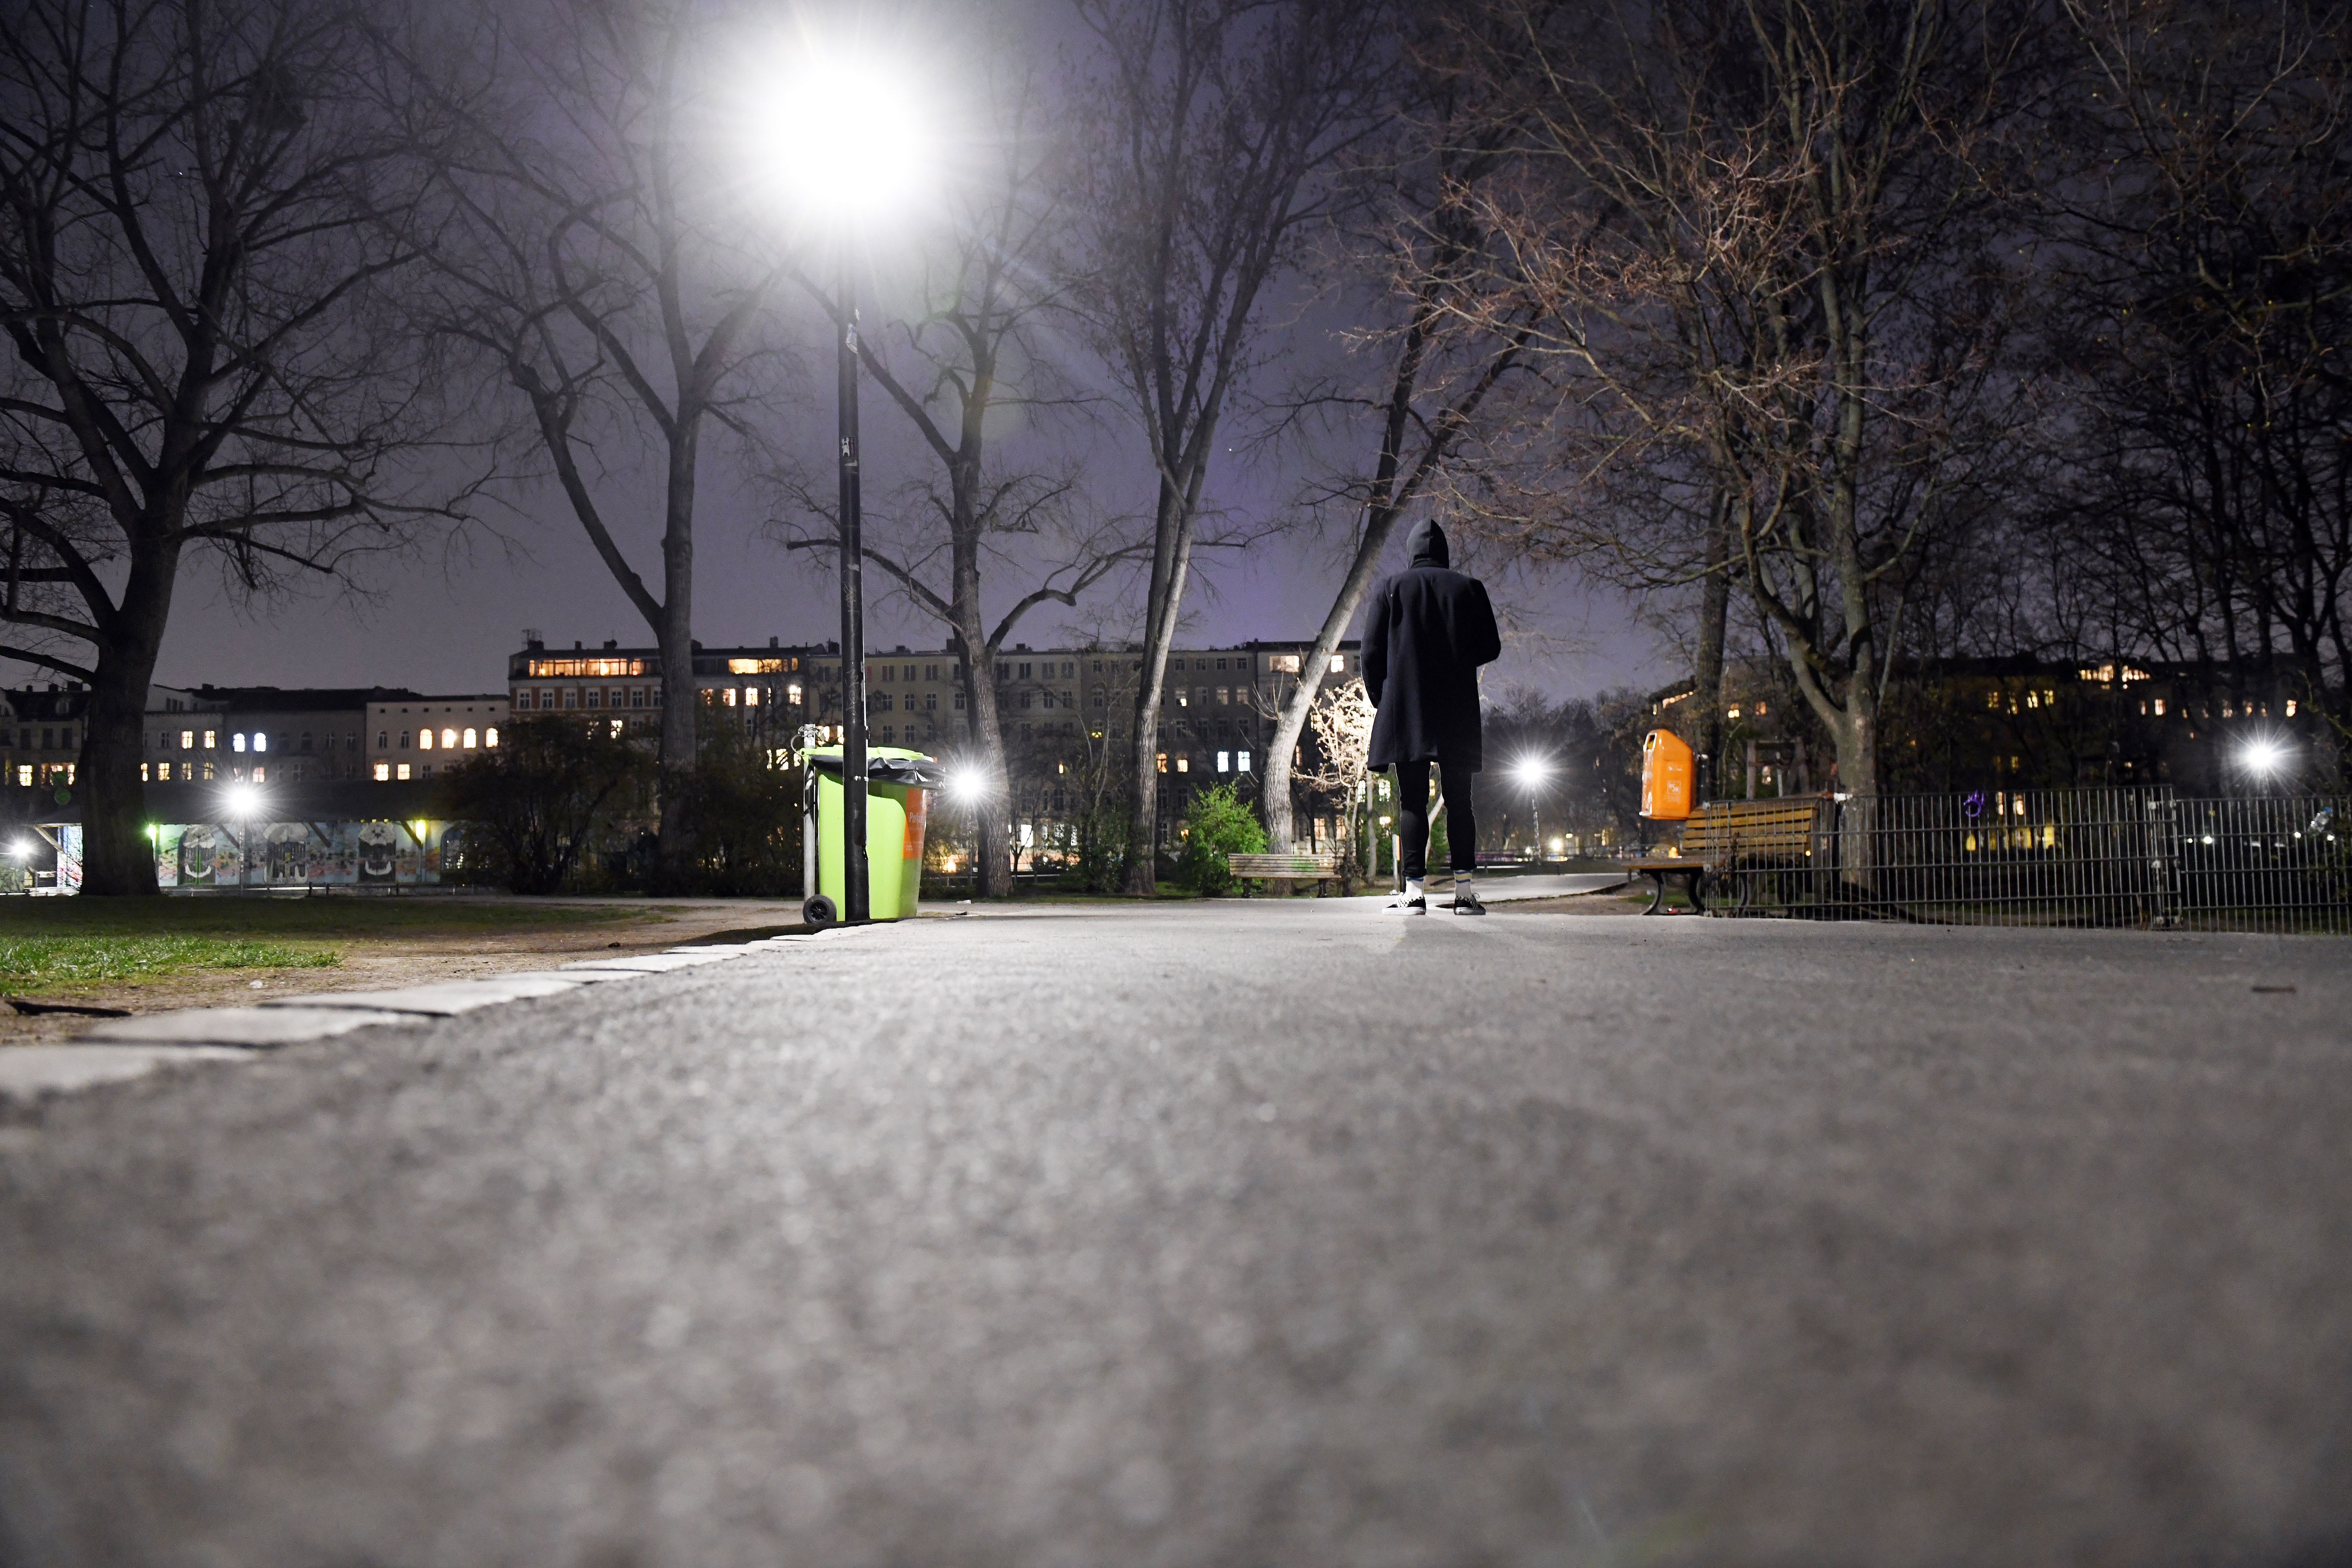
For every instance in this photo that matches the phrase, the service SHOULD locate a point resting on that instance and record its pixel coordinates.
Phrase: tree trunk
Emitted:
(117, 857)
(1143, 817)
(1165, 600)
(680, 698)
(1292, 724)
(1706, 723)
(991, 866)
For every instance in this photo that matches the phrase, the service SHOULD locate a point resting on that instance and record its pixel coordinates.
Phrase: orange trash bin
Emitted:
(1669, 777)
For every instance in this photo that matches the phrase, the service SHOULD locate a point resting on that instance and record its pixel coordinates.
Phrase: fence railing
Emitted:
(2083, 857)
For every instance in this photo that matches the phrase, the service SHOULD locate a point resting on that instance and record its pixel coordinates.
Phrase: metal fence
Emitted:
(2140, 857)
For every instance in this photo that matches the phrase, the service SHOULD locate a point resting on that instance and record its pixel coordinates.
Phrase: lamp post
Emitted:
(1531, 772)
(843, 130)
(855, 890)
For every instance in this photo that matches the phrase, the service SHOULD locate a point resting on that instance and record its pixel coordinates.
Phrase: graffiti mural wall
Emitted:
(299, 854)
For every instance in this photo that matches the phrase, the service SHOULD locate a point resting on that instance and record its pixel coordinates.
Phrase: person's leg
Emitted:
(1461, 826)
(1412, 825)
(1462, 838)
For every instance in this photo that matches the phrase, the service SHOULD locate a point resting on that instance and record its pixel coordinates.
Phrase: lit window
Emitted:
(212, 740)
(237, 742)
(143, 770)
(751, 697)
(262, 775)
(1225, 761)
(382, 771)
(1182, 697)
(1993, 700)
(449, 739)
(187, 740)
(490, 738)
(1224, 694)
(472, 740)
(2033, 699)
(402, 771)
(1162, 759)
(619, 725)
(1185, 763)
(2049, 697)
(2290, 706)
(1731, 713)
(1338, 662)
(792, 694)
(1241, 761)
(25, 775)
(2160, 707)
(1760, 711)
(260, 742)
(424, 740)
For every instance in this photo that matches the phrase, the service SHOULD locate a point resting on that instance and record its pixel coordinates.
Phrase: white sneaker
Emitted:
(1418, 904)
(1466, 902)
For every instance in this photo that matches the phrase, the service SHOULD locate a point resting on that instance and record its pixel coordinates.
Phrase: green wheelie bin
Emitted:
(899, 789)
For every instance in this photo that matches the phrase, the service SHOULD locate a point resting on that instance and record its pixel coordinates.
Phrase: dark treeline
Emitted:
(1853, 335)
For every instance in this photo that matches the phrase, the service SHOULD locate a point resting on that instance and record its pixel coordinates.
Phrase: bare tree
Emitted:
(203, 203)
(2204, 285)
(975, 353)
(1207, 135)
(1767, 231)
(1417, 239)
(595, 251)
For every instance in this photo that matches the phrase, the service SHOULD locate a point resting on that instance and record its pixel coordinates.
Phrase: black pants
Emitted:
(1413, 813)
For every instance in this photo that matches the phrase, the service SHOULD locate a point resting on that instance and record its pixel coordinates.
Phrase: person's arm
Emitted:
(1482, 643)
(1375, 651)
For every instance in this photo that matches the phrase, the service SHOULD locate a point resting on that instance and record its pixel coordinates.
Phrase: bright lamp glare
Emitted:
(843, 132)
(1530, 770)
(967, 784)
(22, 849)
(2262, 756)
(243, 800)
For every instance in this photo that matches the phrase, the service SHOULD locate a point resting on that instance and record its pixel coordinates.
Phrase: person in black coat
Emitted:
(1426, 632)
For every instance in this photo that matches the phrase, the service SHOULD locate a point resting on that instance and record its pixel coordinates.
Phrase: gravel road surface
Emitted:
(1281, 1234)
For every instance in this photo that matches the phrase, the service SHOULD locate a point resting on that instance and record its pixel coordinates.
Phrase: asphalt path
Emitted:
(1255, 1233)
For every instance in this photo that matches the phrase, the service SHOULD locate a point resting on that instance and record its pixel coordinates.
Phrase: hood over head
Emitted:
(1425, 542)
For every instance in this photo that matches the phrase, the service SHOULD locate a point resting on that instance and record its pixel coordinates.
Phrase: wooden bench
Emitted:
(1316, 868)
(1739, 841)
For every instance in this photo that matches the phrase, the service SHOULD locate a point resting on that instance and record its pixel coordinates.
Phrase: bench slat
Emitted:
(1318, 866)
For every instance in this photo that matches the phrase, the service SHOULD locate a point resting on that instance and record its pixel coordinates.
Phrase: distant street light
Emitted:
(1532, 773)
(846, 140)
(244, 803)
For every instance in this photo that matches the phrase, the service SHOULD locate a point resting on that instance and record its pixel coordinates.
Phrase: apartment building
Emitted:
(409, 736)
(1216, 711)
(263, 734)
(41, 734)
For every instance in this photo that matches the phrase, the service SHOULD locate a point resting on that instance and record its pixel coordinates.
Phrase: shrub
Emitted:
(535, 807)
(1218, 822)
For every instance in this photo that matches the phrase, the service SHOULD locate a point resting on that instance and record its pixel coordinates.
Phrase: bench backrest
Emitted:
(1283, 864)
(1787, 830)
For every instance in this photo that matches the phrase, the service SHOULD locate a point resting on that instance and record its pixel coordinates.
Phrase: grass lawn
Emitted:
(42, 963)
(51, 943)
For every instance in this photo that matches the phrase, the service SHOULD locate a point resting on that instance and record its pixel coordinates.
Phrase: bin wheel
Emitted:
(819, 912)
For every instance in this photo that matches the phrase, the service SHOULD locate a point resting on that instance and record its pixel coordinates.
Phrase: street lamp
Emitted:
(846, 140)
(1530, 772)
(243, 803)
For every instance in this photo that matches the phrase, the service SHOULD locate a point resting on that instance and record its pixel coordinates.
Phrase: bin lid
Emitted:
(910, 769)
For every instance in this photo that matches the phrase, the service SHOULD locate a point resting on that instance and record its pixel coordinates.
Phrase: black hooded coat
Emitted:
(1426, 632)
